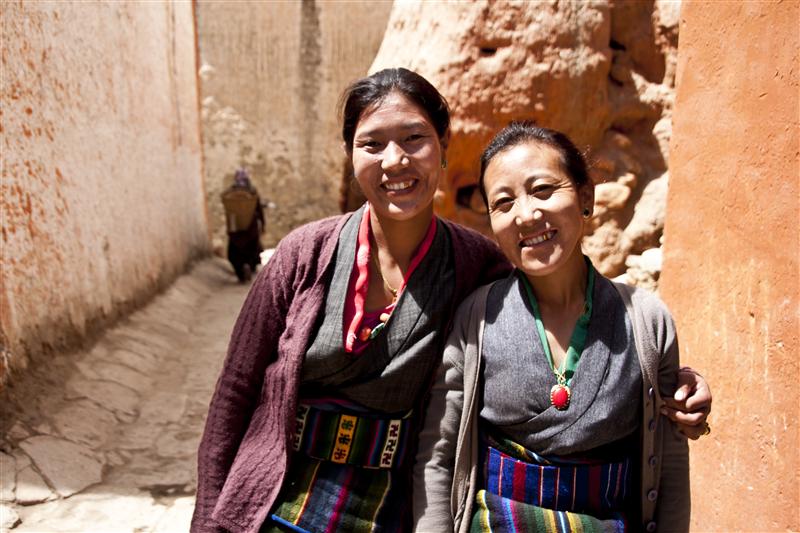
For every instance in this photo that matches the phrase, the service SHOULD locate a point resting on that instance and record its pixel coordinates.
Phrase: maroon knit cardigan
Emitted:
(243, 454)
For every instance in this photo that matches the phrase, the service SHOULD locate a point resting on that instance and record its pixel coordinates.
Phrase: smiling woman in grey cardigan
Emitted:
(545, 412)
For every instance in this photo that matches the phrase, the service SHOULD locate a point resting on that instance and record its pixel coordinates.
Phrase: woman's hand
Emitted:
(691, 404)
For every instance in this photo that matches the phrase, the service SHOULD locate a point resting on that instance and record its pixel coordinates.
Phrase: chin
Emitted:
(536, 267)
(405, 210)
(538, 270)
(547, 262)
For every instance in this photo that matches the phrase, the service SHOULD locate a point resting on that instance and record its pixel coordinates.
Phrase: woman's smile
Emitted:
(399, 187)
(539, 238)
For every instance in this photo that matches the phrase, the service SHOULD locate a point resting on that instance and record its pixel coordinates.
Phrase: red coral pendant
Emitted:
(559, 397)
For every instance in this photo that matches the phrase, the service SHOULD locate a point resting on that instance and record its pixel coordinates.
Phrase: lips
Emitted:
(539, 238)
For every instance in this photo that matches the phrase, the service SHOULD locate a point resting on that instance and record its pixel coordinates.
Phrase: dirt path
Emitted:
(105, 440)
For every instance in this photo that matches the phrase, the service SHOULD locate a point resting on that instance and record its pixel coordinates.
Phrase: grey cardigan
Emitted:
(446, 471)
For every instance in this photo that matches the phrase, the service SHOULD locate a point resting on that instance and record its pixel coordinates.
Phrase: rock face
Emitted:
(271, 74)
(602, 72)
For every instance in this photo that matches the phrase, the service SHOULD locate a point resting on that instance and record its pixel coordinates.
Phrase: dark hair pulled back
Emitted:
(367, 93)
(520, 132)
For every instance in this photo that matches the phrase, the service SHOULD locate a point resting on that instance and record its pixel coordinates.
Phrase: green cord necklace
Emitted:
(560, 393)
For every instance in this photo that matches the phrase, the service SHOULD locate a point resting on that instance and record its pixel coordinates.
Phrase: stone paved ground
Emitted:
(105, 439)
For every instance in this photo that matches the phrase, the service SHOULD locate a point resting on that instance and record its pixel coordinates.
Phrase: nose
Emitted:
(394, 156)
(527, 211)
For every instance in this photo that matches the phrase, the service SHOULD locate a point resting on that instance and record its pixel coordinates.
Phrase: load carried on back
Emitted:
(244, 221)
(240, 208)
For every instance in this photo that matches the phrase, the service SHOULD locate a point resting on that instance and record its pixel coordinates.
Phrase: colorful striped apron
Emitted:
(346, 473)
(524, 492)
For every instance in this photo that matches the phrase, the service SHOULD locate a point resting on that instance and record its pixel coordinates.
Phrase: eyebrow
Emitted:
(533, 176)
(407, 126)
(537, 174)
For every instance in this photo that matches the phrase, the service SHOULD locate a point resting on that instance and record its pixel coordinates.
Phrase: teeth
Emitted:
(539, 238)
(399, 186)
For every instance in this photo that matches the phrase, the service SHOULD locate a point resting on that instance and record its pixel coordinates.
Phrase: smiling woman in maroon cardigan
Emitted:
(314, 420)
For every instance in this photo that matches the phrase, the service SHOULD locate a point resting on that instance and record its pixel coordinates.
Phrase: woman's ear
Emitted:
(444, 141)
(586, 196)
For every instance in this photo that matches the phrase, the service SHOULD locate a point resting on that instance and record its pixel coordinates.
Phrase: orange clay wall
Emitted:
(730, 273)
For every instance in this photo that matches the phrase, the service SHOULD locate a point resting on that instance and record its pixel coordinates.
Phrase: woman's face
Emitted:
(535, 210)
(397, 159)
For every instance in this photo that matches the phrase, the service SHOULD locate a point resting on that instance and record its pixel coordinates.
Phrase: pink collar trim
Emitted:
(357, 295)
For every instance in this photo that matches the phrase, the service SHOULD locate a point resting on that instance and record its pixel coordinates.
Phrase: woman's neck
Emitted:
(399, 239)
(564, 288)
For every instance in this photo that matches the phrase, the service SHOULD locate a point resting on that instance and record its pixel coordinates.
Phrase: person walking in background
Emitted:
(314, 421)
(244, 220)
(545, 416)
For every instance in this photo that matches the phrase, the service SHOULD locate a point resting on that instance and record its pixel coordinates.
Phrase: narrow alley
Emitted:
(143, 143)
(106, 439)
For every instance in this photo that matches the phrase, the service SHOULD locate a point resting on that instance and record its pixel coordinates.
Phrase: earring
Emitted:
(444, 163)
(586, 212)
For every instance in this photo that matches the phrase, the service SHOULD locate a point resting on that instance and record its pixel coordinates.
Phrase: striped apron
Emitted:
(524, 492)
(345, 474)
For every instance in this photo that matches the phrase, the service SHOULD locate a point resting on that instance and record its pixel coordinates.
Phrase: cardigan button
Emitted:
(650, 527)
(651, 393)
(652, 425)
(652, 495)
(652, 461)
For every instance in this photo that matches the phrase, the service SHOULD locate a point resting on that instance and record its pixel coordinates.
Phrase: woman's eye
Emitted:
(502, 204)
(414, 137)
(543, 190)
